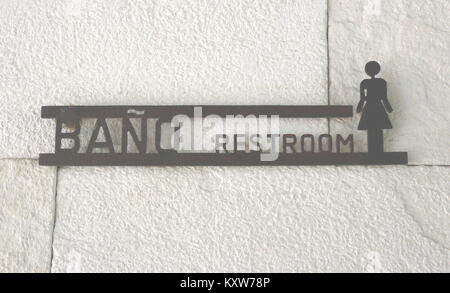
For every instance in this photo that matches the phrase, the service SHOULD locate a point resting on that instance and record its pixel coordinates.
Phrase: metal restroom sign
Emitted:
(209, 135)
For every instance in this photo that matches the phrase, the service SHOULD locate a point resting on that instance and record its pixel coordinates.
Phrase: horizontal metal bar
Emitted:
(230, 159)
(167, 112)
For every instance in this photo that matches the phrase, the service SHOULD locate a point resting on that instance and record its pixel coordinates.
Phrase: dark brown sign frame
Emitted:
(70, 114)
(373, 105)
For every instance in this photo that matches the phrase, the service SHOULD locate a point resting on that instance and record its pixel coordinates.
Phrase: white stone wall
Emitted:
(213, 219)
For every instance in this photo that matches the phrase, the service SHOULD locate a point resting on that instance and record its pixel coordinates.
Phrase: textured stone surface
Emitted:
(288, 219)
(270, 219)
(26, 216)
(153, 52)
(411, 40)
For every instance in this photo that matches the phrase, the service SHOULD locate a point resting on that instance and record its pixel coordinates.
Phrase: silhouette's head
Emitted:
(372, 68)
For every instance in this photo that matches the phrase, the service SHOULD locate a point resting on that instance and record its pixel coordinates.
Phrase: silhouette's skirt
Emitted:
(374, 116)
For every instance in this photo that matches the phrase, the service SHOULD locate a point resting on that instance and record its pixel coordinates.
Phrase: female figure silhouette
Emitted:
(373, 104)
